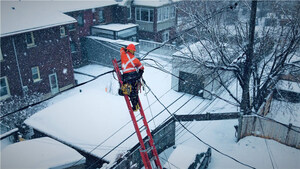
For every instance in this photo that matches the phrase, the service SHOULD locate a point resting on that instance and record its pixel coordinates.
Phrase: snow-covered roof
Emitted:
(23, 16)
(196, 50)
(288, 86)
(20, 17)
(150, 3)
(96, 118)
(76, 5)
(41, 153)
(116, 26)
(118, 41)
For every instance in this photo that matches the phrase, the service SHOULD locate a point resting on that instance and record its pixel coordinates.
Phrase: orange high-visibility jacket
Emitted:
(129, 62)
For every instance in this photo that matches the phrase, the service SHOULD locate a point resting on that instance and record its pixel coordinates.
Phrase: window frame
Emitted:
(101, 16)
(7, 88)
(32, 44)
(129, 14)
(166, 13)
(166, 34)
(34, 73)
(150, 13)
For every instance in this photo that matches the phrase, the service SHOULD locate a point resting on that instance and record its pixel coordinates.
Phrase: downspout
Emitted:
(17, 60)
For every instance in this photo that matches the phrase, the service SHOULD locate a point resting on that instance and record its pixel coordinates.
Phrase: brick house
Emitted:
(35, 51)
(87, 14)
(157, 19)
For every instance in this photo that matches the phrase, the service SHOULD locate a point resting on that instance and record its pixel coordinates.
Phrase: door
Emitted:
(53, 83)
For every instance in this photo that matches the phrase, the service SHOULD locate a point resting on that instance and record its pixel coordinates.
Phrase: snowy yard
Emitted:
(93, 114)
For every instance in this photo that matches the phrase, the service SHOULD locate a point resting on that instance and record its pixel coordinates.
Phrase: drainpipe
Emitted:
(17, 60)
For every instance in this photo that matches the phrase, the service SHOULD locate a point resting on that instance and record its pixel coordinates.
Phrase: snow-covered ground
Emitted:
(93, 114)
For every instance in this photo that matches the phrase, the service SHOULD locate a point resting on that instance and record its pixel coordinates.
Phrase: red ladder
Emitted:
(143, 150)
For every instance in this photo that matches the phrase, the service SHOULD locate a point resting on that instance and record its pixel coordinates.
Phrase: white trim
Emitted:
(32, 39)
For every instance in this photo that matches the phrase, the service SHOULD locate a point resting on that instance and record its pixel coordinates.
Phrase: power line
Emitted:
(34, 104)
(131, 133)
(196, 135)
(230, 7)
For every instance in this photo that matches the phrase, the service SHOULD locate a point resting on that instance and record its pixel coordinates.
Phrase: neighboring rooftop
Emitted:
(118, 41)
(150, 3)
(23, 16)
(20, 17)
(116, 26)
(288, 86)
(41, 153)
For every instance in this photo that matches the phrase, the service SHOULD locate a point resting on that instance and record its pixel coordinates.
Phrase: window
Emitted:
(159, 14)
(29, 39)
(73, 47)
(165, 13)
(4, 88)
(35, 74)
(138, 14)
(62, 31)
(172, 15)
(71, 27)
(80, 19)
(166, 36)
(129, 13)
(144, 14)
(1, 56)
(101, 16)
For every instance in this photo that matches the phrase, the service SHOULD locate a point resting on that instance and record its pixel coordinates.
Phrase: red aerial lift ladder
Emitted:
(143, 150)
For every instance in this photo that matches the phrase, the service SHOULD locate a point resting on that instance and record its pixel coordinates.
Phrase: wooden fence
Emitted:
(252, 125)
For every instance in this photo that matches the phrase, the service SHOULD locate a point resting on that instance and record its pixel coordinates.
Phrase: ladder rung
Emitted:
(147, 150)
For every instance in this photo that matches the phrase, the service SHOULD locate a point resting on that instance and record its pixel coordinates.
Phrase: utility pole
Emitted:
(248, 65)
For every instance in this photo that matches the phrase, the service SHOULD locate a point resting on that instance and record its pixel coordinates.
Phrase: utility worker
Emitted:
(132, 72)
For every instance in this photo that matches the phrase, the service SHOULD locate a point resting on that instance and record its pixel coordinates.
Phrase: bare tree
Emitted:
(256, 41)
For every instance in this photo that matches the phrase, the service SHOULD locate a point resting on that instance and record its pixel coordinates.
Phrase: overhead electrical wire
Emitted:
(172, 114)
(33, 104)
(149, 89)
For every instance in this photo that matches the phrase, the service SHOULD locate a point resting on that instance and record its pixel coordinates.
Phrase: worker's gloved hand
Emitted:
(141, 73)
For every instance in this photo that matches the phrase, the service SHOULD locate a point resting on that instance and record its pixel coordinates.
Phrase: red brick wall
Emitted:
(51, 54)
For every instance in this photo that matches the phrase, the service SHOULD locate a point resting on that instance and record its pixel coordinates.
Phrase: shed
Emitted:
(287, 90)
(116, 31)
(102, 51)
(193, 78)
(41, 153)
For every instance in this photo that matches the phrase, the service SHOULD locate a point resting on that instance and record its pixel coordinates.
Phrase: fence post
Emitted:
(240, 126)
(288, 133)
